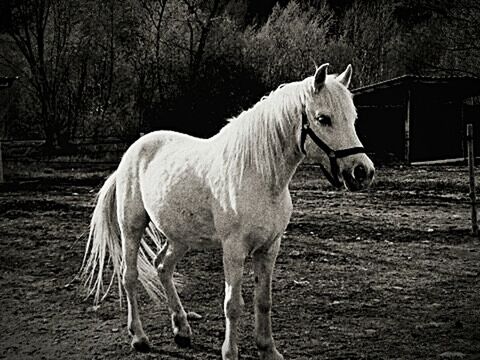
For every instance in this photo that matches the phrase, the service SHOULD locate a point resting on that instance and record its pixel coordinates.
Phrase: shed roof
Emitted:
(425, 88)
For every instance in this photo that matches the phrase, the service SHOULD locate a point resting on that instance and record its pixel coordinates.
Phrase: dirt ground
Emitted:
(388, 273)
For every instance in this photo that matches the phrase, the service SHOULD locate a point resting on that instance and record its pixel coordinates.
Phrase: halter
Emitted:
(333, 155)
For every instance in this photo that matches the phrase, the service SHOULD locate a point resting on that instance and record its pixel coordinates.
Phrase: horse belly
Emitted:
(182, 210)
(193, 226)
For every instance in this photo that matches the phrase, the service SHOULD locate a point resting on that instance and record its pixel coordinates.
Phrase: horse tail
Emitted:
(104, 246)
(103, 240)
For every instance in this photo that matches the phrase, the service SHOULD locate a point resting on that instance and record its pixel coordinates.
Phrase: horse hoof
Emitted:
(141, 345)
(183, 341)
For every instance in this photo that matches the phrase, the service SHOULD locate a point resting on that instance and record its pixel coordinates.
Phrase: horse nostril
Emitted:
(360, 173)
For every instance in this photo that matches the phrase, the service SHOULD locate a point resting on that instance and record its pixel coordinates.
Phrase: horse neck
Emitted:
(291, 154)
(291, 158)
(285, 163)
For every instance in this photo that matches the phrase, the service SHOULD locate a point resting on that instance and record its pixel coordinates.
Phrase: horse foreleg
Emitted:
(233, 264)
(263, 263)
(171, 253)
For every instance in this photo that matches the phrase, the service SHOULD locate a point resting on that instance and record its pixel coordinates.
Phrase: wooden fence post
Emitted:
(471, 167)
(1, 164)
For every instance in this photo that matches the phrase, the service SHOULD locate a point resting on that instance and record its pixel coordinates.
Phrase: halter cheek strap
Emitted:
(333, 155)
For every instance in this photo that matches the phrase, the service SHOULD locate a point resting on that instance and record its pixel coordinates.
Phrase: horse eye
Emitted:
(324, 120)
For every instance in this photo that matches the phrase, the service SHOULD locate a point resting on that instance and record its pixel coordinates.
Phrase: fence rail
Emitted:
(89, 153)
(85, 152)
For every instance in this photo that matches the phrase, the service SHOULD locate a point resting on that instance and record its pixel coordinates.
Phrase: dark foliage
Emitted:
(120, 67)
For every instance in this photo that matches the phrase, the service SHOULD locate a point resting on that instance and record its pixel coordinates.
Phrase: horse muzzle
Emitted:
(360, 175)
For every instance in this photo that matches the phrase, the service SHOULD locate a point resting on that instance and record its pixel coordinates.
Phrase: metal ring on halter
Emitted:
(333, 155)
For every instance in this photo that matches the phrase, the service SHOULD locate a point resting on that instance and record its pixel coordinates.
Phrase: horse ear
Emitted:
(345, 77)
(320, 76)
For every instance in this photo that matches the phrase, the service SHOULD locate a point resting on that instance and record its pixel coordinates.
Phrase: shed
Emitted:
(415, 118)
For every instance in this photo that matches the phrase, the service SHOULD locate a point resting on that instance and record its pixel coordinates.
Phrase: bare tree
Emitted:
(44, 33)
(148, 59)
(199, 22)
(372, 33)
(457, 37)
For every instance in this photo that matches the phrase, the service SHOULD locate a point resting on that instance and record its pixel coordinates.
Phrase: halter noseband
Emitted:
(333, 155)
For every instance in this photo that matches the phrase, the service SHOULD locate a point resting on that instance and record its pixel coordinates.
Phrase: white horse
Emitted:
(229, 191)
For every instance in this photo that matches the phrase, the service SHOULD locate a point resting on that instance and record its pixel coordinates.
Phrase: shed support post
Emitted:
(407, 127)
(471, 168)
(462, 121)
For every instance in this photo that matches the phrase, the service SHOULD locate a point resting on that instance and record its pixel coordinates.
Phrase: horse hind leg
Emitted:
(152, 231)
(132, 231)
(170, 254)
(161, 255)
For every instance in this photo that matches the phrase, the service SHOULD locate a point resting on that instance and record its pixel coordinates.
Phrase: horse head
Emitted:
(328, 133)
